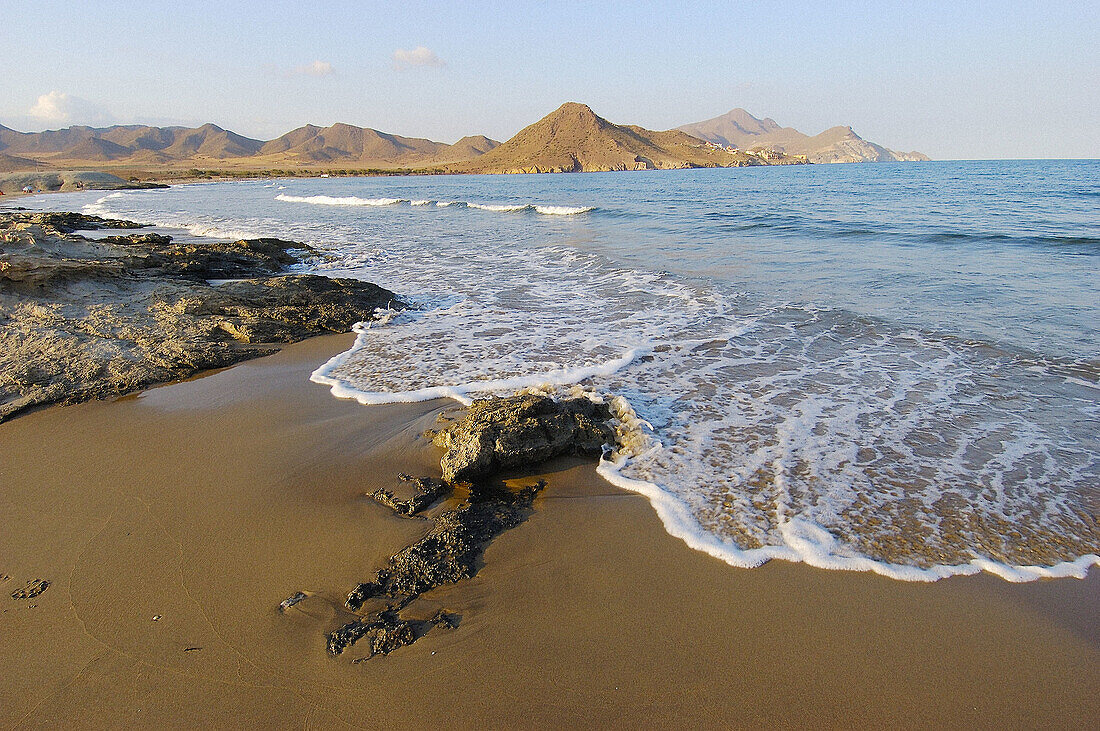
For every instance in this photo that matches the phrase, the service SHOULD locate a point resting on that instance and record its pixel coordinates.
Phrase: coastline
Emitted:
(206, 502)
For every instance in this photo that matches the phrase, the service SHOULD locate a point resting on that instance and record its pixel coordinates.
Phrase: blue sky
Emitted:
(951, 79)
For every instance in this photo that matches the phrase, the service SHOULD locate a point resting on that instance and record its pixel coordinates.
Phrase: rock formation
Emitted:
(82, 319)
(493, 435)
(507, 433)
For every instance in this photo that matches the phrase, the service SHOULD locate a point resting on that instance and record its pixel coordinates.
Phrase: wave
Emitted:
(99, 208)
(809, 543)
(563, 210)
(462, 393)
(325, 200)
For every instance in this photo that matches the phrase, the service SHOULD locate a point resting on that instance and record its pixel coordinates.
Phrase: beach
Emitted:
(171, 524)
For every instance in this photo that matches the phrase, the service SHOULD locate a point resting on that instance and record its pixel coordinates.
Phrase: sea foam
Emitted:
(325, 200)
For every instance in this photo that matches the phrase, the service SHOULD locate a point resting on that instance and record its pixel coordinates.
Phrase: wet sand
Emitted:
(206, 503)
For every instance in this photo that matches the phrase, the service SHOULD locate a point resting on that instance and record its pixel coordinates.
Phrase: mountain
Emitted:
(347, 144)
(309, 146)
(741, 130)
(126, 141)
(573, 138)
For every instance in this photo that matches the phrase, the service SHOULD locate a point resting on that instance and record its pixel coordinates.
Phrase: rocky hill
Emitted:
(344, 145)
(741, 130)
(350, 145)
(573, 138)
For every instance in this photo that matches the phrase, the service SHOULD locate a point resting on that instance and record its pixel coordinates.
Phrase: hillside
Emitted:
(739, 129)
(346, 144)
(121, 146)
(573, 138)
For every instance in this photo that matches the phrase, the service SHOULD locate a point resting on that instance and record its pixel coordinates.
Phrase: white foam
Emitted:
(499, 208)
(327, 200)
(462, 392)
(563, 210)
(100, 208)
(813, 545)
(421, 202)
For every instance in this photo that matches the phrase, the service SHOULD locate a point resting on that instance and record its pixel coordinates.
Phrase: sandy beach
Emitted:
(171, 524)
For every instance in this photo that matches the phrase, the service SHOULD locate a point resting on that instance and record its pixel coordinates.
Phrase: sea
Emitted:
(874, 367)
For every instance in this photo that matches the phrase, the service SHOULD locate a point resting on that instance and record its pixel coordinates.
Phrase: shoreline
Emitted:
(206, 502)
(807, 543)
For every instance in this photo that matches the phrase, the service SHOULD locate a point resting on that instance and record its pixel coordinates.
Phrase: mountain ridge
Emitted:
(739, 129)
(308, 145)
(573, 138)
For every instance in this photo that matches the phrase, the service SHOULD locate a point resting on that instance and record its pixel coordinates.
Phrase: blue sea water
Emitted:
(887, 367)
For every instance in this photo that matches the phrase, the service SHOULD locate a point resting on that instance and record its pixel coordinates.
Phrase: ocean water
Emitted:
(891, 367)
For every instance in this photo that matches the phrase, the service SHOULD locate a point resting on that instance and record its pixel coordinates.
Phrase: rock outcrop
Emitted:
(449, 553)
(494, 434)
(505, 433)
(82, 319)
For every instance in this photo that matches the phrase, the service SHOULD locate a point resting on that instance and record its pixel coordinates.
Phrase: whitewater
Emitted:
(875, 368)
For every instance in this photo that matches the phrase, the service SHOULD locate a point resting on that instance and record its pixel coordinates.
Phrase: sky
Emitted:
(955, 80)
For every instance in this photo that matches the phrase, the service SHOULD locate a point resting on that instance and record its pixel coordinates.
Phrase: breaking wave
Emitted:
(324, 200)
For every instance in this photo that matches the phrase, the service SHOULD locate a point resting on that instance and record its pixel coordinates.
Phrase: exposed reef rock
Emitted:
(450, 552)
(31, 590)
(493, 435)
(427, 491)
(505, 433)
(386, 632)
(82, 319)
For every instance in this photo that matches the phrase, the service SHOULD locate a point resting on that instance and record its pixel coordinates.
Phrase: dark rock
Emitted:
(446, 619)
(451, 550)
(427, 491)
(291, 600)
(386, 631)
(64, 221)
(223, 260)
(137, 239)
(497, 434)
(449, 553)
(31, 590)
(493, 435)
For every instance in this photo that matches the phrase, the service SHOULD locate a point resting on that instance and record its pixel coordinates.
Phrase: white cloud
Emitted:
(317, 68)
(59, 108)
(419, 56)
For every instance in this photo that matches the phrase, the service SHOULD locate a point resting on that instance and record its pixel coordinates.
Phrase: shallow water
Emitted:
(885, 367)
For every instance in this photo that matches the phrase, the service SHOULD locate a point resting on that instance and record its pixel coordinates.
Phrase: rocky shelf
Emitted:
(84, 319)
